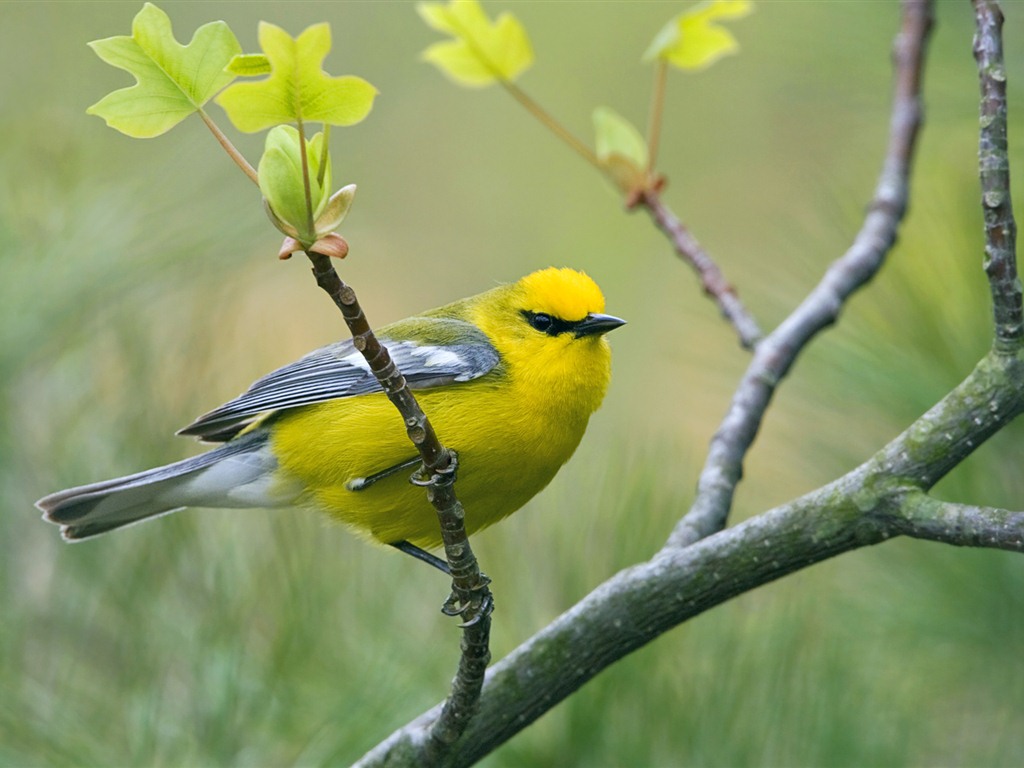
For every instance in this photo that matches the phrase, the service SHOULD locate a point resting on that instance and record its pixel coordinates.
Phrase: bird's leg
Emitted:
(470, 598)
(473, 606)
(362, 483)
(422, 555)
(480, 604)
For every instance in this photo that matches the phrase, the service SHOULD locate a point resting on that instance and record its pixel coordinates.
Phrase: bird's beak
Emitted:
(596, 325)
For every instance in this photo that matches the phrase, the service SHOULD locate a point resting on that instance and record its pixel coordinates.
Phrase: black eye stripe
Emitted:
(549, 324)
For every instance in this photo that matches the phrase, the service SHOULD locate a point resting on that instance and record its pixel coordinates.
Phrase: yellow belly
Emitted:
(509, 447)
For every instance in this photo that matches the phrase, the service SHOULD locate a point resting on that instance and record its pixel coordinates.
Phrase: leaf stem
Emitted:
(531, 106)
(322, 170)
(304, 156)
(535, 109)
(233, 153)
(551, 123)
(657, 112)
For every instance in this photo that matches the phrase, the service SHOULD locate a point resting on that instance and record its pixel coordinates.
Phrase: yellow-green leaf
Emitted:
(481, 51)
(282, 183)
(621, 150)
(693, 39)
(249, 65)
(336, 210)
(172, 80)
(298, 89)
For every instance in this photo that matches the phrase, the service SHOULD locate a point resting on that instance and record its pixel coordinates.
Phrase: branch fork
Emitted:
(886, 496)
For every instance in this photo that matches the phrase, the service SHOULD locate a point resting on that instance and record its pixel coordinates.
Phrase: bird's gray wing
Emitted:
(338, 371)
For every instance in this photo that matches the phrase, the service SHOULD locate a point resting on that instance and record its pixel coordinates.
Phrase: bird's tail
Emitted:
(237, 474)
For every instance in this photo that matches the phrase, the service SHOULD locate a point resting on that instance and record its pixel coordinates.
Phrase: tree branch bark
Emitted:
(994, 162)
(963, 525)
(702, 565)
(711, 278)
(471, 597)
(775, 355)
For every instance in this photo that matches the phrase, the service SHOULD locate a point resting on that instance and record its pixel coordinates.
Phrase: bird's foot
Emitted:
(473, 604)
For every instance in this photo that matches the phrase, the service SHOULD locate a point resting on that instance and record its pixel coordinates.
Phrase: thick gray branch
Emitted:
(952, 429)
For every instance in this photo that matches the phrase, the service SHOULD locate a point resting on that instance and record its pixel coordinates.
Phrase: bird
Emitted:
(508, 378)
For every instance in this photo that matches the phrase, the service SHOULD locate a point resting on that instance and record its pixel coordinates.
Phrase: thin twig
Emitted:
(711, 278)
(471, 597)
(463, 702)
(713, 282)
(775, 355)
(994, 161)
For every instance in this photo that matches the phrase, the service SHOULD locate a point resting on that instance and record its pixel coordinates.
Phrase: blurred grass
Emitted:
(139, 289)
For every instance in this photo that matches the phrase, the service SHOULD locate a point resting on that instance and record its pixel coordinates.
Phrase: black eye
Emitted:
(540, 321)
(545, 323)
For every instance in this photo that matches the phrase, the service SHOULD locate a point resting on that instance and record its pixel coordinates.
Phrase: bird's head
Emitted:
(563, 302)
(550, 325)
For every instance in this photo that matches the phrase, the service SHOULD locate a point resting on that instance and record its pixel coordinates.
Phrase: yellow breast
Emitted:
(512, 428)
(512, 431)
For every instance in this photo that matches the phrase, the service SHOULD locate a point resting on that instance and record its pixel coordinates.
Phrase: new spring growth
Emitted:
(308, 224)
(174, 81)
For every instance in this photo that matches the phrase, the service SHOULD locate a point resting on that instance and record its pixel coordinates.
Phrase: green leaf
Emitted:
(298, 89)
(172, 80)
(282, 184)
(617, 136)
(621, 150)
(249, 65)
(692, 40)
(336, 210)
(481, 52)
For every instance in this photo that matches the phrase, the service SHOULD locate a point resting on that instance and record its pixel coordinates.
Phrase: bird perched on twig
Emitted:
(509, 379)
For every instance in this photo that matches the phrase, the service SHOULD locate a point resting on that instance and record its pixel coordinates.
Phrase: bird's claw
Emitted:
(425, 478)
(473, 605)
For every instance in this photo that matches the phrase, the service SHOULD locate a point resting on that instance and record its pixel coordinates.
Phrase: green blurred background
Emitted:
(139, 288)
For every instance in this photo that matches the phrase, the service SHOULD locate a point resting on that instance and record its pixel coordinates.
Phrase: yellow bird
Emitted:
(509, 379)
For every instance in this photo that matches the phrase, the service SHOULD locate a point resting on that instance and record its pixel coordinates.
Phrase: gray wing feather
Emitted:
(338, 371)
